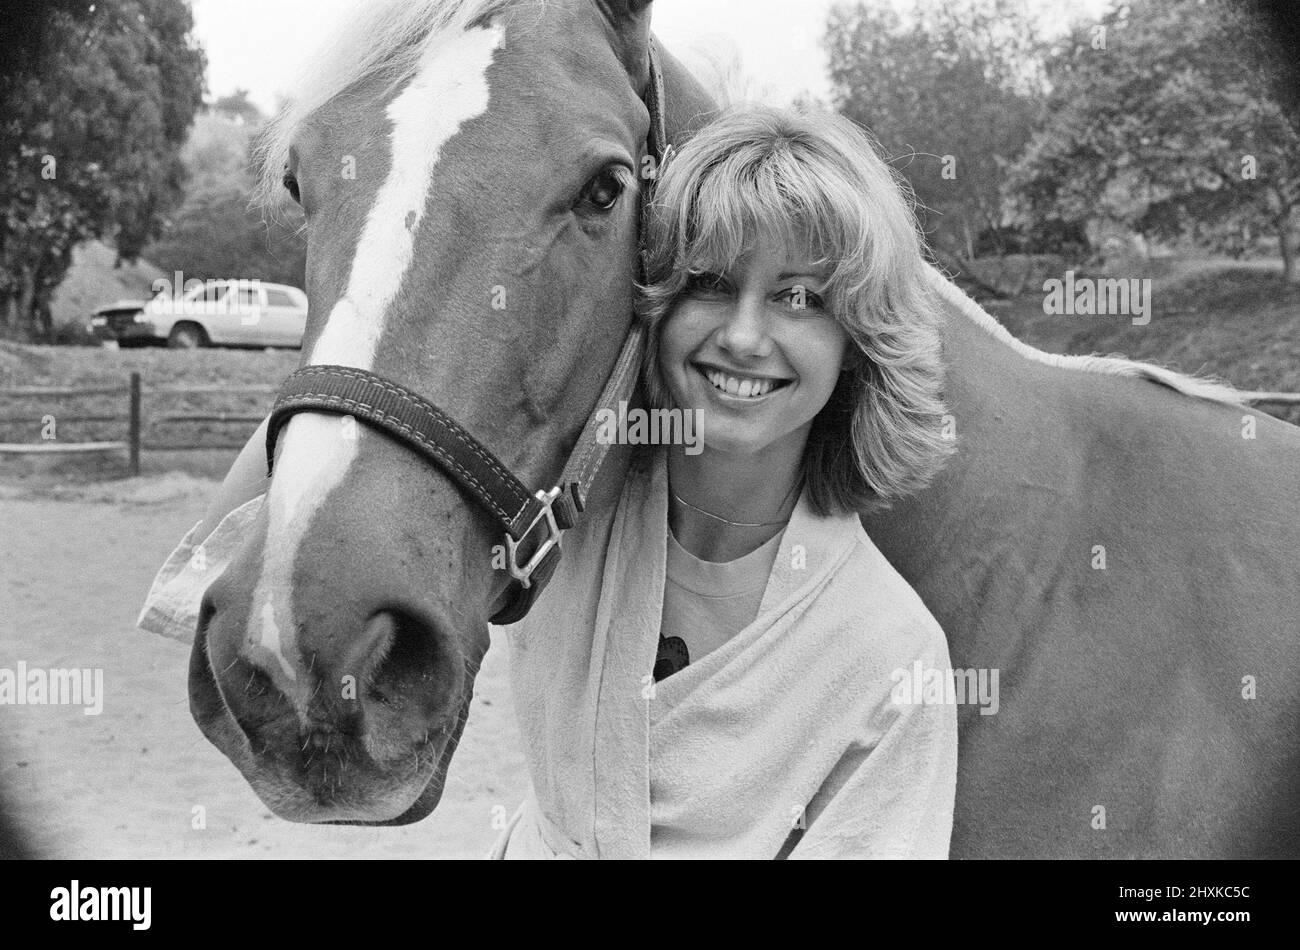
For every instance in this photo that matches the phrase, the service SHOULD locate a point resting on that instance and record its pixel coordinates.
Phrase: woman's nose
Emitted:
(746, 330)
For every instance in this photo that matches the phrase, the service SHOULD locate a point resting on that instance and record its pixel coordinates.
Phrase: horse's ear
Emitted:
(629, 22)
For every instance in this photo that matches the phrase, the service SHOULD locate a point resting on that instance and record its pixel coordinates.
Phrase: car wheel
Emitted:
(186, 336)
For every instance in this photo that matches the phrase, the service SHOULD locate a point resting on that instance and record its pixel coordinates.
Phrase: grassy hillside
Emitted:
(93, 281)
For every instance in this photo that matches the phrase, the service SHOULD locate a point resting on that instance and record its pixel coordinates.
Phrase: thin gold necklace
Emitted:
(744, 524)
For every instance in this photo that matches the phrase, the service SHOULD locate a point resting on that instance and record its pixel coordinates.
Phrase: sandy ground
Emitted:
(73, 573)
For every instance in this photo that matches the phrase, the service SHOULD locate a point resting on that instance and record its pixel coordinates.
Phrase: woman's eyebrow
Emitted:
(786, 275)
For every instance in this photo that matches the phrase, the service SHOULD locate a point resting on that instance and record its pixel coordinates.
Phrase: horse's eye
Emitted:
(603, 190)
(291, 184)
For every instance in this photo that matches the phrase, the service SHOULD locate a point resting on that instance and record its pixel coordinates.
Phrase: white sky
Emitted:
(257, 44)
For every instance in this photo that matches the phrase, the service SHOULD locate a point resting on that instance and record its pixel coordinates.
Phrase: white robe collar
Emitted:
(626, 637)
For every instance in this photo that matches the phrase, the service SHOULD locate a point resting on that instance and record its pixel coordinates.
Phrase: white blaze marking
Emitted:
(271, 639)
(449, 88)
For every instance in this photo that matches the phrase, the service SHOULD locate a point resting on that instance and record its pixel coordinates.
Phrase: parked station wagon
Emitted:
(217, 313)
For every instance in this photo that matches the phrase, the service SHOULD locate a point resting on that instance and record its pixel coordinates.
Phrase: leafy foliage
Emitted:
(215, 233)
(1162, 123)
(91, 119)
(957, 86)
(238, 107)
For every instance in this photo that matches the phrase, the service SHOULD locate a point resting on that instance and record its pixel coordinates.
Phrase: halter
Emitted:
(412, 420)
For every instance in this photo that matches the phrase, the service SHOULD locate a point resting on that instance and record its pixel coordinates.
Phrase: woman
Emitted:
(785, 306)
(711, 672)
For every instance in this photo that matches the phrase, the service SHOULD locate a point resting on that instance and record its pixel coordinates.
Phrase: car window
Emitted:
(278, 298)
(248, 297)
(204, 292)
(213, 292)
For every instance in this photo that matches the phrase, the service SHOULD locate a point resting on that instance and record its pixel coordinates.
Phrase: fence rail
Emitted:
(213, 417)
(134, 390)
(124, 388)
(66, 390)
(190, 390)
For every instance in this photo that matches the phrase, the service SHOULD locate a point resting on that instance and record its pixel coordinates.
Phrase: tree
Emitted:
(1272, 29)
(237, 107)
(951, 97)
(1158, 118)
(215, 234)
(92, 117)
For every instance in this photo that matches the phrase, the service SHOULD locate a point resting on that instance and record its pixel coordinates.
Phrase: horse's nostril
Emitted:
(371, 649)
(207, 607)
(402, 657)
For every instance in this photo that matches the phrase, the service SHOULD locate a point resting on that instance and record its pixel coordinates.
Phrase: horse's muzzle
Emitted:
(367, 747)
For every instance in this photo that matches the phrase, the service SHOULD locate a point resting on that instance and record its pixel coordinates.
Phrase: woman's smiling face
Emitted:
(755, 352)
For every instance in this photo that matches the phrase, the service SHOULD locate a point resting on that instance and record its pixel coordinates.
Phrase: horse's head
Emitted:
(469, 174)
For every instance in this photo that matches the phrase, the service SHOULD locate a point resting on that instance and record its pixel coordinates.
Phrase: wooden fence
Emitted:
(135, 392)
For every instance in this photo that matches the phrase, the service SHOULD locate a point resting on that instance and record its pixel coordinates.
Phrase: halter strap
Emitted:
(409, 418)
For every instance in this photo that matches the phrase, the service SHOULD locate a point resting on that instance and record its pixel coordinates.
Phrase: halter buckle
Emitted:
(552, 540)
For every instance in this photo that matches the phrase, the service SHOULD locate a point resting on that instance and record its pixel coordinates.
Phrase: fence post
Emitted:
(135, 423)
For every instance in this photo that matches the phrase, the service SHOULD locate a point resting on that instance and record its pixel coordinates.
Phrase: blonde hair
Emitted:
(815, 179)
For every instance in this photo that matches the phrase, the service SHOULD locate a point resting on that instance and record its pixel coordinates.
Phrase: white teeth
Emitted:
(745, 389)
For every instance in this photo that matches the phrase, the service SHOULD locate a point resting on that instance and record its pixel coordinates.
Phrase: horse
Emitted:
(1116, 540)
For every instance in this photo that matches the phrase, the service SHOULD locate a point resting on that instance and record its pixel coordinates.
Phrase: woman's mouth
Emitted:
(737, 387)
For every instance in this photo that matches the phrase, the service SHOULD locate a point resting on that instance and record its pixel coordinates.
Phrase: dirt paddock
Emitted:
(129, 782)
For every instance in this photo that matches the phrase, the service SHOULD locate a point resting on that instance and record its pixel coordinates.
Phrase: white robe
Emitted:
(789, 725)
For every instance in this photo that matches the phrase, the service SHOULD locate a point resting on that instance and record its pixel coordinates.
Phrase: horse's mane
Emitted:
(716, 63)
(1113, 365)
(380, 38)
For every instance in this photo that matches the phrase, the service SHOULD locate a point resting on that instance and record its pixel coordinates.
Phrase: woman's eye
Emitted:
(801, 298)
(603, 190)
(707, 284)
